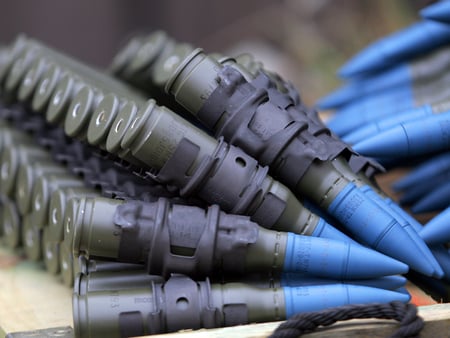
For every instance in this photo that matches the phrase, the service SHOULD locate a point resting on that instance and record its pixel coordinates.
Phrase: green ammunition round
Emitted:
(201, 71)
(4, 59)
(12, 224)
(69, 221)
(118, 129)
(102, 120)
(152, 234)
(18, 69)
(50, 251)
(11, 159)
(32, 77)
(145, 75)
(135, 301)
(249, 63)
(57, 208)
(169, 60)
(155, 132)
(249, 67)
(80, 112)
(10, 55)
(148, 52)
(266, 304)
(4, 63)
(68, 86)
(27, 175)
(88, 266)
(105, 279)
(43, 189)
(88, 74)
(107, 242)
(120, 126)
(10, 137)
(152, 307)
(67, 266)
(31, 239)
(49, 80)
(124, 56)
(2, 231)
(230, 61)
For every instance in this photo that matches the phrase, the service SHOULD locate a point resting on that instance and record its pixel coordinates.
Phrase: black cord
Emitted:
(406, 314)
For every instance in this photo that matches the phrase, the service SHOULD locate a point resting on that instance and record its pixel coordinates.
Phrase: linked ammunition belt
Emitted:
(80, 148)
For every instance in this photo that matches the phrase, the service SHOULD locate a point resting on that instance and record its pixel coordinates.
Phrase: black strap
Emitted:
(410, 323)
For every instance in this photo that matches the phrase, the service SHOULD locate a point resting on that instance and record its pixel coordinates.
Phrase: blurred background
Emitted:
(304, 40)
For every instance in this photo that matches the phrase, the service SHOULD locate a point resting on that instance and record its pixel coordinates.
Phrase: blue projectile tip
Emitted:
(366, 86)
(417, 192)
(361, 258)
(407, 223)
(439, 11)
(335, 259)
(380, 231)
(339, 97)
(320, 297)
(401, 244)
(390, 143)
(427, 170)
(344, 122)
(437, 199)
(363, 62)
(442, 255)
(386, 282)
(422, 136)
(361, 133)
(397, 47)
(437, 230)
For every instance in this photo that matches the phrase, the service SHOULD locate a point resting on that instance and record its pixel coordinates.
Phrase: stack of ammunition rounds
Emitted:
(113, 179)
(395, 107)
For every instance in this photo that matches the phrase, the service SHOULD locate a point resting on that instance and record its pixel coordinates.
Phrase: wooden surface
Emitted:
(437, 325)
(30, 298)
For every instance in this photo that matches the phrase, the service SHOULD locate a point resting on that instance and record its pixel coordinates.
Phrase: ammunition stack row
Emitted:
(44, 173)
(395, 106)
(256, 110)
(118, 184)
